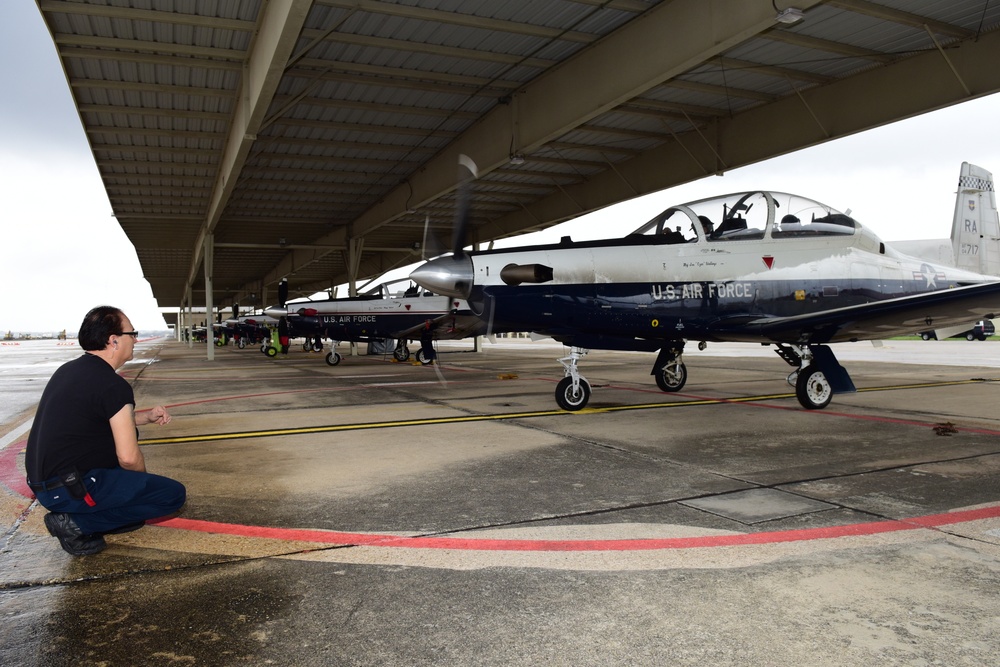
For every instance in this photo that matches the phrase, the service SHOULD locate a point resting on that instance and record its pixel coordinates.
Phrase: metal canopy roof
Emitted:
(314, 140)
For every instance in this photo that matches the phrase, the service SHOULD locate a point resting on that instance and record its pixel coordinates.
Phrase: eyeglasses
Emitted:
(133, 334)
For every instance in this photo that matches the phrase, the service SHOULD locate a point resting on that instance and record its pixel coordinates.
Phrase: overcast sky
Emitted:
(62, 252)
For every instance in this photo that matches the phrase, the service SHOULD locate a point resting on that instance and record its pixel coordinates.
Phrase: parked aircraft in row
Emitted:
(397, 311)
(760, 267)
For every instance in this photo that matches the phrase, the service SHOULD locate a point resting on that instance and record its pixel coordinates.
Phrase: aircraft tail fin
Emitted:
(975, 231)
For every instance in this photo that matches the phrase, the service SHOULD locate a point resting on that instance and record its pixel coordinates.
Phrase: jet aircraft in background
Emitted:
(762, 267)
(396, 311)
(250, 329)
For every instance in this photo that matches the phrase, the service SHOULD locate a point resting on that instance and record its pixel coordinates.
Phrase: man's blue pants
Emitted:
(121, 498)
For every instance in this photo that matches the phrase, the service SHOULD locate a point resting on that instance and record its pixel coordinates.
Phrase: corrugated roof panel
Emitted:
(737, 82)
(862, 31)
(813, 61)
(370, 105)
(968, 14)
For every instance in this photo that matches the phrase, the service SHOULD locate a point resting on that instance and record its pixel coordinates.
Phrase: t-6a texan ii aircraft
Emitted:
(760, 267)
(383, 313)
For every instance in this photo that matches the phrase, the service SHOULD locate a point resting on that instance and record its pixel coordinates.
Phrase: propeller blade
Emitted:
(283, 292)
(440, 376)
(489, 321)
(423, 246)
(460, 230)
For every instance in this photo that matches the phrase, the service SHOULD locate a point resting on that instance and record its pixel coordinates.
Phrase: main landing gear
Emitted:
(818, 377)
(669, 369)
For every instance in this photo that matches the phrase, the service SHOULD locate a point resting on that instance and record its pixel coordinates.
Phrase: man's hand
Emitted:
(157, 415)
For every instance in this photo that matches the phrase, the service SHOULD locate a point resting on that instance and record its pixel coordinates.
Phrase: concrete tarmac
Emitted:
(379, 513)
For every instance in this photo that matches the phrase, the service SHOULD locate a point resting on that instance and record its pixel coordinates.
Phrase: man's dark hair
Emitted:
(98, 324)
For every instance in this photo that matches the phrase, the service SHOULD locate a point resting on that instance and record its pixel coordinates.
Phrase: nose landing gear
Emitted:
(573, 391)
(819, 375)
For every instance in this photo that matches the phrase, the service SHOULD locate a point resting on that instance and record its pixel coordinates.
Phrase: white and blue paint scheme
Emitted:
(762, 267)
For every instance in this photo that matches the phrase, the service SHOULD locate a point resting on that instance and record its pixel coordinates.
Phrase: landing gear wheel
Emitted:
(241, 344)
(317, 346)
(401, 353)
(572, 400)
(925, 336)
(813, 389)
(422, 358)
(332, 359)
(271, 351)
(672, 377)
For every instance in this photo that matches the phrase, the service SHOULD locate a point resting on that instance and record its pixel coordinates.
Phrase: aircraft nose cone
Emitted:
(275, 312)
(451, 276)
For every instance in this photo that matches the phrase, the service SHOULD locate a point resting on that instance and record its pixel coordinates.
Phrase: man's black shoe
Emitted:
(72, 539)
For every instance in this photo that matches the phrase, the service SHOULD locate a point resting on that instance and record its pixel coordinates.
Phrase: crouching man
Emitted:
(83, 459)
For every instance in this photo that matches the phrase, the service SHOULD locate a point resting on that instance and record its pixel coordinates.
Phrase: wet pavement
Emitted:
(379, 513)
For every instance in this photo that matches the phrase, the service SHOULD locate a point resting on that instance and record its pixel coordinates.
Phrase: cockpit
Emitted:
(401, 287)
(749, 216)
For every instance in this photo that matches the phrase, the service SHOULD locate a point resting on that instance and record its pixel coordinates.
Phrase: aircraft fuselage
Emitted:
(752, 267)
(649, 290)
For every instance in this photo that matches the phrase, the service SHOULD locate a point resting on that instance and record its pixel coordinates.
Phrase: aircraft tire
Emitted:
(242, 344)
(570, 400)
(668, 379)
(332, 359)
(422, 358)
(317, 347)
(271, 351)
(401, 353)
(813, 389)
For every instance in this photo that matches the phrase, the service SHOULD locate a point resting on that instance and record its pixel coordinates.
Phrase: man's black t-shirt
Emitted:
(71, 428)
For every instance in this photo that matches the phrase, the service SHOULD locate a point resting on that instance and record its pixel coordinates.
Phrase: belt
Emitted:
(45, 486)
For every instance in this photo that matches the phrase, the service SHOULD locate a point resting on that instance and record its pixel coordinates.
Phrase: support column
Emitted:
(477, 341)
(209, 253)
(354, 247)
(190, 319)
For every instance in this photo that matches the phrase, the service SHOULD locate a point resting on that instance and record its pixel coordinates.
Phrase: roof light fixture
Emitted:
(789, 16)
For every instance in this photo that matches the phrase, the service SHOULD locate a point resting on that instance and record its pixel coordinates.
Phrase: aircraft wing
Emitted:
(873, 321)
(449, 326)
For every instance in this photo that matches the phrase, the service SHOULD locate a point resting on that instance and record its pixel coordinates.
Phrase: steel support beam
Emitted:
(907, 88)
(278, 30)
(650, 50)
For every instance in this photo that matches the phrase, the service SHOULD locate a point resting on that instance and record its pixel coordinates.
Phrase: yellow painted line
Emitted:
(925, 385)
(348, 427)
(333, 428)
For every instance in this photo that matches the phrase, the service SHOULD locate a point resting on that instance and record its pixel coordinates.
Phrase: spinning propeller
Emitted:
(283, 292)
